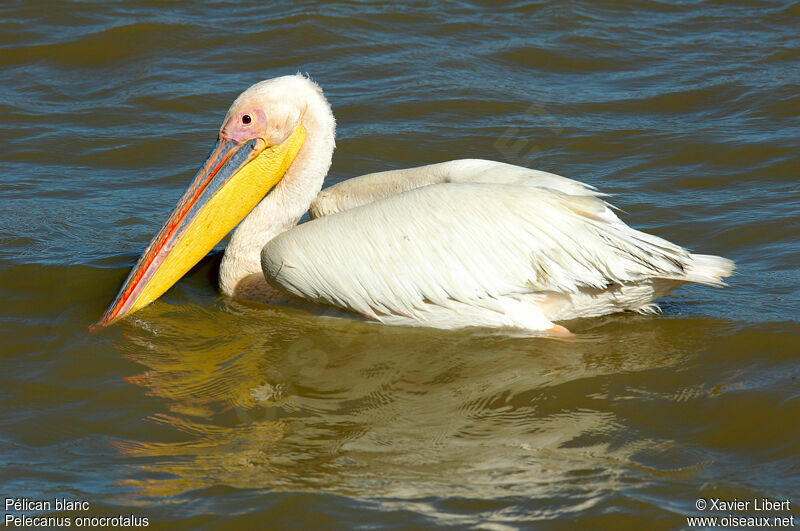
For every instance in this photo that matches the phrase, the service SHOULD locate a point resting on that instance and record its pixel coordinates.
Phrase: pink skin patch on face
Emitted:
(244, 125)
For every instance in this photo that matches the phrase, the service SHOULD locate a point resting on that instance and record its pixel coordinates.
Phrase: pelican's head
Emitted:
(260, 137)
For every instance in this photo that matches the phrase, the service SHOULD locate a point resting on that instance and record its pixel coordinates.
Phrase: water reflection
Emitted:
(262, 397)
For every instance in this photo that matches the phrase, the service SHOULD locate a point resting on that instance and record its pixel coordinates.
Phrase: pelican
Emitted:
(448, 245)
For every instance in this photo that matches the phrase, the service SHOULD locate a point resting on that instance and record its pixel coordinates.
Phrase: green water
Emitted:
(204, 412)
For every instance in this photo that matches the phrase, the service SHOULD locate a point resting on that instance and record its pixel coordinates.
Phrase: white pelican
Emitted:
(461, 243)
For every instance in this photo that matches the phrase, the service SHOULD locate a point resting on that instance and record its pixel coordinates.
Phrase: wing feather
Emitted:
(465, 242)
(365, 189)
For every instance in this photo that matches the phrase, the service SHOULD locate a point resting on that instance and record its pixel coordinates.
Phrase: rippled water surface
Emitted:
(201, 411)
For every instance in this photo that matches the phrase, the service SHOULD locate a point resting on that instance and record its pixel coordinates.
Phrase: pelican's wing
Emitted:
(369, 188)
(464, 242)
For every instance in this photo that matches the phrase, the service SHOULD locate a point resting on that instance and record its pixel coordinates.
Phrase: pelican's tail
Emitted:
(708, 269)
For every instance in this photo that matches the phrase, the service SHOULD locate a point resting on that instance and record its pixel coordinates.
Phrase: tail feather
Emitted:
(708, 269)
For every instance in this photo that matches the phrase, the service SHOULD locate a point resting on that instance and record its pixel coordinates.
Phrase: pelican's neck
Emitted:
(283, 207)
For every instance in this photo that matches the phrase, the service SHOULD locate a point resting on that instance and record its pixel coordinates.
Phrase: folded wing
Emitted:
(380, 253)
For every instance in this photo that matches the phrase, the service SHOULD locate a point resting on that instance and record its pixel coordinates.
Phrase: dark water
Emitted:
(205, 412)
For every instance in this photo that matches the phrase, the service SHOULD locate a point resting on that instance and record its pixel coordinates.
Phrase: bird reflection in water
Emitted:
(360, 409)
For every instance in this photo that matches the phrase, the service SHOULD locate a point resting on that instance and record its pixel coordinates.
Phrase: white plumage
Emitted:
(461, 243)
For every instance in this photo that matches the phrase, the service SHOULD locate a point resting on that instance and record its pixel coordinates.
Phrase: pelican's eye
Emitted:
(246, 119)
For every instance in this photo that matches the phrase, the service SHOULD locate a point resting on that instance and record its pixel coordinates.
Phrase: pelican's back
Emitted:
(500, 244)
